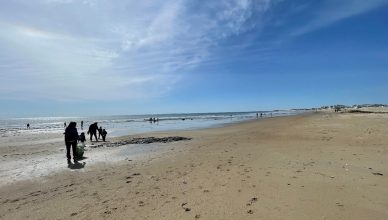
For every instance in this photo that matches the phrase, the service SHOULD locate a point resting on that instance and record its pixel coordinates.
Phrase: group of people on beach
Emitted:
(93, 129)
(72, 138)
(152, 120)
(262, 114)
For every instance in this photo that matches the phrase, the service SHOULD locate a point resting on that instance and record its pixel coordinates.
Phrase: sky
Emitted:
(109, 57)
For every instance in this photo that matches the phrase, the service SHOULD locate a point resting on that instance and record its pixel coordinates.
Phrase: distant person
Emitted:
(93, 131)
(82, 125)
(257, 115)
(99, 132)
(71, 137)
(104, 133)
(28, 126)
(64, 125)
(261, 115)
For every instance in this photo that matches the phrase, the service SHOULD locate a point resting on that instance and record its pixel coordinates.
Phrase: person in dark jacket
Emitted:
(93, 131)
(82, 137)
(71, 137)
(104, 133)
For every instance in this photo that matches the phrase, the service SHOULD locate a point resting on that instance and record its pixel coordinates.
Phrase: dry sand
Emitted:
(312, 166)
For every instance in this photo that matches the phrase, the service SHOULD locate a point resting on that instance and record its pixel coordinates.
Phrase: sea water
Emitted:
(118, 125)
(27, 166)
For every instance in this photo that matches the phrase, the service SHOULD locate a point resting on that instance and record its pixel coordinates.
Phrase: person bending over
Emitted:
(93, 131)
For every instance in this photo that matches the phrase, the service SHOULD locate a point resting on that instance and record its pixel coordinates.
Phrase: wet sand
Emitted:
(312, 166)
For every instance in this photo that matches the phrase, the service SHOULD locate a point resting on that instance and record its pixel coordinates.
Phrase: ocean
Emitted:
(118, 125)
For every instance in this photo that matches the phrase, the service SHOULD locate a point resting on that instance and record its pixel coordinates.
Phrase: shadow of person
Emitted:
(76, 165)
(82, 158)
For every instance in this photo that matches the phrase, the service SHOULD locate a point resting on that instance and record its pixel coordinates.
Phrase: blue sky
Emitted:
(97, 57)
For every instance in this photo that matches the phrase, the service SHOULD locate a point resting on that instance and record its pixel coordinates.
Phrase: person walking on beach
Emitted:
(64, 125)
(71, 137)
(104, 133)
(28, 126)
(93, 131)
(99, 132)
(82, 125)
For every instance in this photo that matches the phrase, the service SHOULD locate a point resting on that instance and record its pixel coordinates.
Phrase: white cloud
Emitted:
(110, 49)
(124, 49)
(333, 11)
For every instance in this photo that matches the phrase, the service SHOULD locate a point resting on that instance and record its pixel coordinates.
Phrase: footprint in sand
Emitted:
(251, 201)
(105, 201)
(185, 208)
(339, 204)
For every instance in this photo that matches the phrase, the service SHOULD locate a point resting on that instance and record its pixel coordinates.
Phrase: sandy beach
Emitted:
(311, 166)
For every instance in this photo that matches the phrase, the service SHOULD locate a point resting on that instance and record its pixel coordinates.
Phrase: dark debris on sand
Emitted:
(146, 140)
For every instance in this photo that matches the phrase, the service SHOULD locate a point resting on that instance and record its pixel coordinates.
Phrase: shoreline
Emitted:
(29, 156)
(309, 166)
(136, 124)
